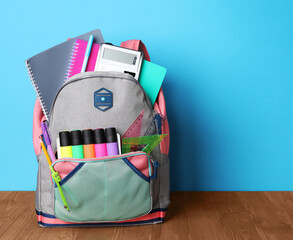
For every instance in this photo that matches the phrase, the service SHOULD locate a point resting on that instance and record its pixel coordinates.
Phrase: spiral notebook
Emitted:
(49, 70)
(76, 62)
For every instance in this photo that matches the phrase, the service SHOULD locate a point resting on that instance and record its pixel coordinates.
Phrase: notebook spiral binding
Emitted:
(33, 81)
(71, 61)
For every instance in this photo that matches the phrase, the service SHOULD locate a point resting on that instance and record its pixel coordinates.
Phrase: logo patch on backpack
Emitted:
(103, 99)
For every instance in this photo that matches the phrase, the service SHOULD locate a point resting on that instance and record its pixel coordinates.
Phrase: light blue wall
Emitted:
(228, 88)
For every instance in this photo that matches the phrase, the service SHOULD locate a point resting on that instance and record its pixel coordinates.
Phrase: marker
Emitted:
(100, 143)
(77, 148)
(88, 143)
(47, 139)
(87, 53)
(65, 144)
(111, 141)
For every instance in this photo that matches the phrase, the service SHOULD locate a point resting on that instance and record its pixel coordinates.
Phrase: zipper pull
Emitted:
(159, 123)
(156, 165)
(57, 179)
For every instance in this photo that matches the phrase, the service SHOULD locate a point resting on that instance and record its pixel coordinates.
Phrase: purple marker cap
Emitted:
(111, 141)
(45, 133)
(111, 135)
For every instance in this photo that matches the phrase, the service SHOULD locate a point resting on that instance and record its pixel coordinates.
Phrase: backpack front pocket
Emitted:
(104, 189)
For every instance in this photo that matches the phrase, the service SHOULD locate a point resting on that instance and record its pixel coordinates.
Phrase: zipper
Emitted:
(88, 75)
(107, 158)
(156, 164)
(56, 177)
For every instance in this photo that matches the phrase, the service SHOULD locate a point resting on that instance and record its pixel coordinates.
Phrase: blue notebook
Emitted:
(48, 70)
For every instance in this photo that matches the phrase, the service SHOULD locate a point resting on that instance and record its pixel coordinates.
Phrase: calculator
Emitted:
(113, 58)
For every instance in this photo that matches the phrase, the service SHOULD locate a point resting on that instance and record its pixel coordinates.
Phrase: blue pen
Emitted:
(87, 53)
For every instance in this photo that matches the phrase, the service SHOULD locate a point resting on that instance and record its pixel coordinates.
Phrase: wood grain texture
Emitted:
(191, 215)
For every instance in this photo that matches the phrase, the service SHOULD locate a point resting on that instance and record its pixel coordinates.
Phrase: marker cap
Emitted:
(76, 137)
(111, 135)
(65, 139)
(99, 136)
(88, 136)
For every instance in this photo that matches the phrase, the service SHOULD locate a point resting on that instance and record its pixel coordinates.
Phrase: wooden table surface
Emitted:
(191, 215)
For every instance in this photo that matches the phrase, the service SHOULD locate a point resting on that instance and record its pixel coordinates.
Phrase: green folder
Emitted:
(151, 79)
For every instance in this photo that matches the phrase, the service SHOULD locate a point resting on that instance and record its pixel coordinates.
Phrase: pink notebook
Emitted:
(78, 56)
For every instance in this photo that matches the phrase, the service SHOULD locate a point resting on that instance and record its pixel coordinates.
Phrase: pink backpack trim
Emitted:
(38, 117)
(153, 217)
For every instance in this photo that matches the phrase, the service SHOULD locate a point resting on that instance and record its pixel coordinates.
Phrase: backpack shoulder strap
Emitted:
(136, 45)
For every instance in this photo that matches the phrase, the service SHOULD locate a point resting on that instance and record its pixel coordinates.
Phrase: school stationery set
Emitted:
(100, 133)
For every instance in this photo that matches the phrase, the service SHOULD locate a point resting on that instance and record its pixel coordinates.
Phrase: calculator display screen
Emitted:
(118, 56)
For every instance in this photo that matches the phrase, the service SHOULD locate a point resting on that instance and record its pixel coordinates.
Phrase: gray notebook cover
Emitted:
(48, 70)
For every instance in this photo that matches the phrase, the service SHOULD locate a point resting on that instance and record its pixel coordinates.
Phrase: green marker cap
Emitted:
(76, 138)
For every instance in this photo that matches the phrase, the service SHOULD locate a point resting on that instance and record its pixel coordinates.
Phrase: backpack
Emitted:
(128, 189)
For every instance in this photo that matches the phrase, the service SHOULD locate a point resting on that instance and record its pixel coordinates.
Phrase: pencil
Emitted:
(45, 152)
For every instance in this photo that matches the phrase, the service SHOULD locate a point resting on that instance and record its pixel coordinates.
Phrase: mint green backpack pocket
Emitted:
(105, 189)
